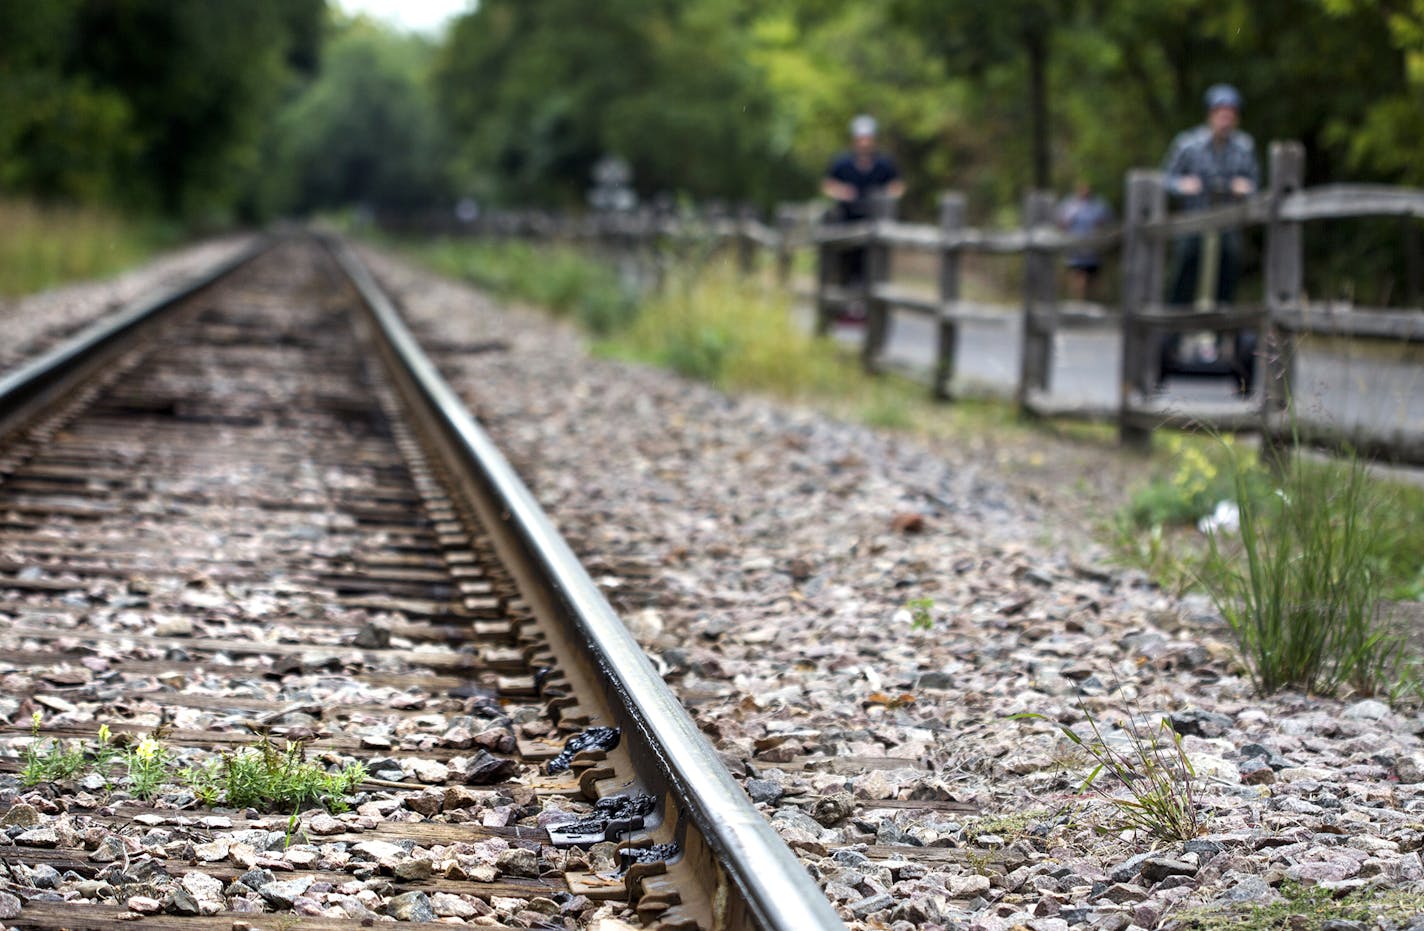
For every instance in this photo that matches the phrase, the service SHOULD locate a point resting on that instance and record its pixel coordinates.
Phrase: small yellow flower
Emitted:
(147, 749)
(37, 719)
(103, 733)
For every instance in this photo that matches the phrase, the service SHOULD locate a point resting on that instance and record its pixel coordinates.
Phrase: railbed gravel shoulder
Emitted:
(34, 323)
(765, 557)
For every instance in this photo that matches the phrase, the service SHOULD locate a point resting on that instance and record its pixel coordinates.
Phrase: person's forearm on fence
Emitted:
(838, 190)
(1180, 180)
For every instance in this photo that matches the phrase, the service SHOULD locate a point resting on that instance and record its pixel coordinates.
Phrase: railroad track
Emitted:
(285, 643)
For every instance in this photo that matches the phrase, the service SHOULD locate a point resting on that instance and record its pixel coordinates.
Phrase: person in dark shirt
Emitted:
(855, 177)
(853, 180)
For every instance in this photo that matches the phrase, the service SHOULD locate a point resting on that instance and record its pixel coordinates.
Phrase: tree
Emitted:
(145, 102)
(975, 36)
(365, 131)
(533, 102)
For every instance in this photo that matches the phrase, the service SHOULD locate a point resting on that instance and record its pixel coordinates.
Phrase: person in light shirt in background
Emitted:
(1083, 213)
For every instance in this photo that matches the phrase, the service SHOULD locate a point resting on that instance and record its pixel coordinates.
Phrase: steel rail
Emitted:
(65, 364)
(774, 885)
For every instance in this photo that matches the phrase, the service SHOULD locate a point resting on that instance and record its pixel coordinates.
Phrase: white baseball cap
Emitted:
(862, 125)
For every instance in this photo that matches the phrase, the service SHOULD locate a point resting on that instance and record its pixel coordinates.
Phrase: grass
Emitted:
(1150, 765)
(1320, 544)
(1301, 585)
(717, 326)
(263, 776)
(41, 247)
(561, 279)
(710, 323)
(1305, 907)
(1156, 529)
(259, 776)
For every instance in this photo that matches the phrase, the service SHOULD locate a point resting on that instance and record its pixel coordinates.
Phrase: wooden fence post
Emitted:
(786, 216)
(1284, 274)
(951, 223)
(746, 246)
(876, 273)
(1413, 262)
(828, 260)
(1040, 296)
(1143, 258)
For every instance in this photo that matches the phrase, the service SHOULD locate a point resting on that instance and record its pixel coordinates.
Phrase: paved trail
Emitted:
(1379, 386)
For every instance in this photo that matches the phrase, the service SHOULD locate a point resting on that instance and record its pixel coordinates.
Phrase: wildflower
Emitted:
(1225, 519)
(148, 749)
(103, 733)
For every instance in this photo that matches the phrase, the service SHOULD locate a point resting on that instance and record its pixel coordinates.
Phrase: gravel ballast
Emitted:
(37, 322)
(767, 557)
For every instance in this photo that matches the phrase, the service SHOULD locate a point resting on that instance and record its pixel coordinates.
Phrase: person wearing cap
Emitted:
(1210, 165)
(853, 180)
(857, 176)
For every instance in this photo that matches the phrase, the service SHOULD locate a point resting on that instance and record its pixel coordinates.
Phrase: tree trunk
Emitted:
(1036, 42)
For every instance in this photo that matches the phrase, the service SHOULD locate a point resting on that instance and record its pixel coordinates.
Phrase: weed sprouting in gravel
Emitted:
(1150, 765)
(920, 616)
(1302, 906)
(148, 762)
(50, 760)
(265, 776)
(261, 775)
(1302, 583)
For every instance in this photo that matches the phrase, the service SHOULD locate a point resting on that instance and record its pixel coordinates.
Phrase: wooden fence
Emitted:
(1140, 318)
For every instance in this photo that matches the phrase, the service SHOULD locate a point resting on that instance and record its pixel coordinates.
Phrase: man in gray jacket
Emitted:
(1210, 165)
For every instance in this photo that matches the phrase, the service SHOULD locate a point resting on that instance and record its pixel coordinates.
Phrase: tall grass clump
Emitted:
(707, 321)
(1302, 583)
(561, 279)
(41, 247)
(718, 326)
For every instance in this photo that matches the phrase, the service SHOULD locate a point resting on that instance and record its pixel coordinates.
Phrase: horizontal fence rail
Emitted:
(1140, 317)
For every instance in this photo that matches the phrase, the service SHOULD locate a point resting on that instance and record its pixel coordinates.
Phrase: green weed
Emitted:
(920, 616)
(264, 776)
(1156, 529)
(1010, 826)
(261, 775)
(148, 764)
(1307, 907)
(1203, 473)
(49, 761)
(1301, 585)
(1150, 765)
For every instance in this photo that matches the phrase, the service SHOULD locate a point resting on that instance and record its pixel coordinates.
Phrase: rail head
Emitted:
(775, 886)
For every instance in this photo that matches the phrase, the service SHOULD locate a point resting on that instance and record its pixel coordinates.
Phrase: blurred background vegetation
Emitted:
(244, 109)
(212, 112)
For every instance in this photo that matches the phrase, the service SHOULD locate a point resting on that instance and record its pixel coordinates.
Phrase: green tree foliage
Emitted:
(980, 36)
(537, 93)
(214, 107)
(364, 132)
(146, 103)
